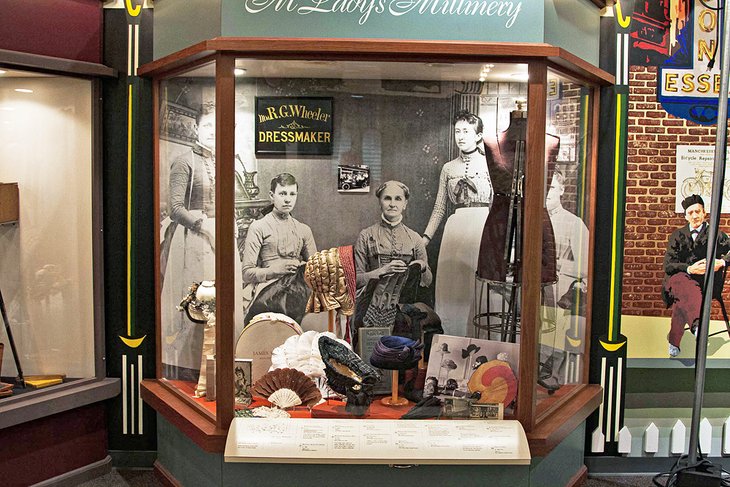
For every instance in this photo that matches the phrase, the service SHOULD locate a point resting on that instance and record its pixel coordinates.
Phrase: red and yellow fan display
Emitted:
(496, 382)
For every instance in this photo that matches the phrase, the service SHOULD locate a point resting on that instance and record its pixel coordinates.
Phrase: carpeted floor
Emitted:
(145, 478)
(130, 477)
(623, 481)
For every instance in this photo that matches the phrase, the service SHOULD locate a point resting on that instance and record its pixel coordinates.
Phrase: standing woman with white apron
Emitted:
(464, 184)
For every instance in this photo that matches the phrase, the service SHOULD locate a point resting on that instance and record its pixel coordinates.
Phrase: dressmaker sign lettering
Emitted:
(291, 125)
(689, 81)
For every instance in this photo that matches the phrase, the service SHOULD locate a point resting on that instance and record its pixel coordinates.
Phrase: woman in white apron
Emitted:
(464, 184)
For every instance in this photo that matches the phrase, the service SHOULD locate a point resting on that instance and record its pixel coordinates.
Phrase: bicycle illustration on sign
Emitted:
(701, 184)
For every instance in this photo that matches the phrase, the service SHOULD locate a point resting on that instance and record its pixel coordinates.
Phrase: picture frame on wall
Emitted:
(242, 373)
(293, 125)
(353, 179)
(178, 123)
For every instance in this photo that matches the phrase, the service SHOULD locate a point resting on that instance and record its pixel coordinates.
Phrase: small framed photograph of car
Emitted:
(353, 179)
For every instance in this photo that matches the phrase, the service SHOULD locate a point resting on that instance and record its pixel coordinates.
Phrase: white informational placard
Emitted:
(695, 165)
(377, 441)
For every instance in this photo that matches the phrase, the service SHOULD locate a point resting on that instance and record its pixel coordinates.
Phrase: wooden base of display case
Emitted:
(53, 446)
(579, 477)
(201, 429)
(554, 428)
(181, 462)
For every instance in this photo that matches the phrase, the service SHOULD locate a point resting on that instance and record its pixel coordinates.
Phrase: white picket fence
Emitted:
(653, 440)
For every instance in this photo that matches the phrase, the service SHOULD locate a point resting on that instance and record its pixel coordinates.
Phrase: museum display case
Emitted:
(327, 205)
(46, 269)
(51, 293)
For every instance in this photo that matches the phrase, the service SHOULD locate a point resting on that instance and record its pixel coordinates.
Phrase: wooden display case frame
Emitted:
(546, 427)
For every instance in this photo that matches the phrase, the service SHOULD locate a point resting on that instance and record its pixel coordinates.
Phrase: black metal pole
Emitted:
(19, 379)
(718, 180)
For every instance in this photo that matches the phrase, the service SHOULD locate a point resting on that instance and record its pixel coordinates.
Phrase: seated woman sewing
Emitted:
(276, 248)
(387, 256)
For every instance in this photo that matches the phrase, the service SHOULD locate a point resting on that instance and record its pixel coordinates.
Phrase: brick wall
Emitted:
(653, 135)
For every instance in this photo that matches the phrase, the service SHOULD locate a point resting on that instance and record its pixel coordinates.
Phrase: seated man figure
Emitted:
(684, 269)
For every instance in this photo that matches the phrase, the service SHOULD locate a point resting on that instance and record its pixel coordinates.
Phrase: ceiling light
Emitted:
(23, 90)
(239, 71)
(520, 76)
(2, 71)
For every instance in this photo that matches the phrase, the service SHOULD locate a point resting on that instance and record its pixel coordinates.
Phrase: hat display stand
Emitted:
(330, 274)
(331, 321)
(396, 353)
(199, 305)
(393, 399)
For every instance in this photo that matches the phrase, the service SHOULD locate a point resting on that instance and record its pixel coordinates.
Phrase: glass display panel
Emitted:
(563, 316)
(46, 231)
(380, 176)
(187, 142)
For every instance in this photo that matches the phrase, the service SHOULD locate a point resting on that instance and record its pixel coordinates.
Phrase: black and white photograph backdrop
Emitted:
(407, 137)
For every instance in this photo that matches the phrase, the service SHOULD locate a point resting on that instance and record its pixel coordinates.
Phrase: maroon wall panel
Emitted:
(48, 447)
(70, 29)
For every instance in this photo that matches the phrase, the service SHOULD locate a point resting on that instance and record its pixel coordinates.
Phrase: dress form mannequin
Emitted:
(504, 149)
(501, 147)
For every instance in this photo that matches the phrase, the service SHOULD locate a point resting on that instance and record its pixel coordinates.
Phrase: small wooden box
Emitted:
(9, 203)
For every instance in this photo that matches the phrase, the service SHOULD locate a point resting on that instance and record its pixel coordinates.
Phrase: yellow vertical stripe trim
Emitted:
(129, 212)
(583, 161)
(616, 197)
(622, 21)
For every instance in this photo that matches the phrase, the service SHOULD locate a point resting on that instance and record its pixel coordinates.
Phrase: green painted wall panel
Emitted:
(288, 475)
(573, 25)
(182, 23)
(562, 463)
(192, 466)
(510, 21)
